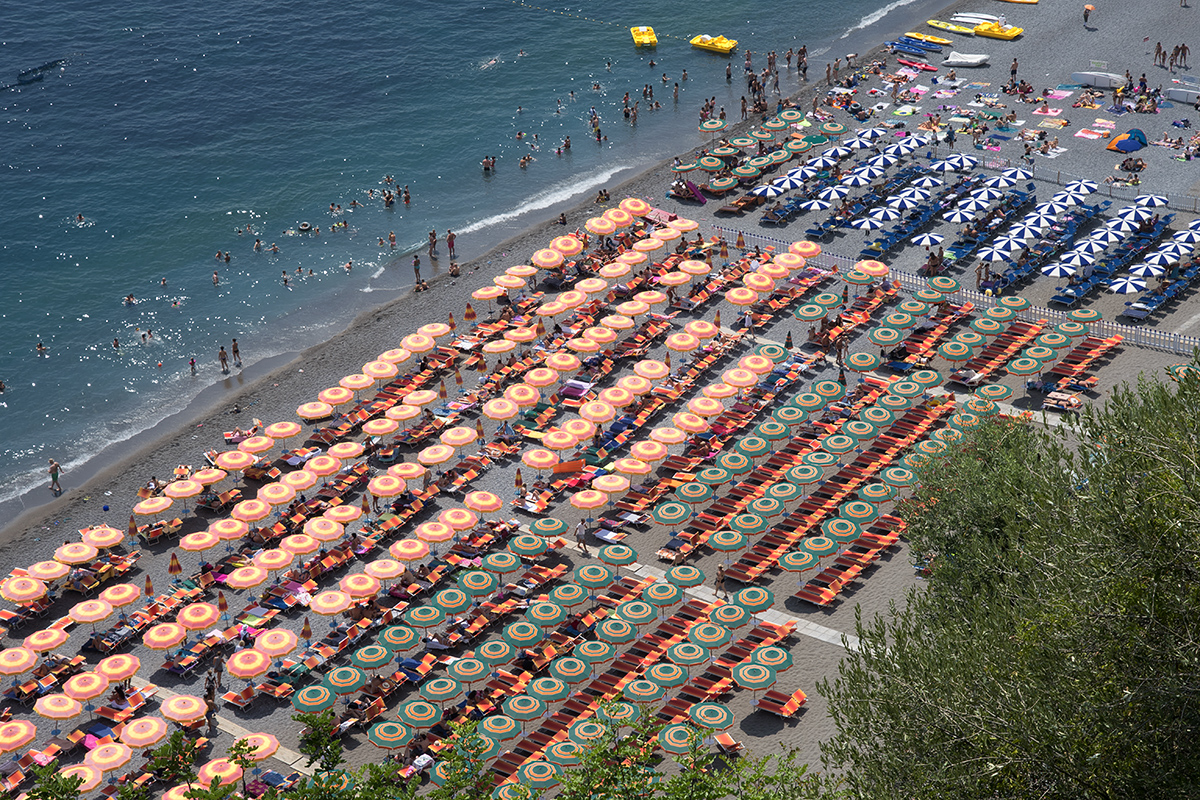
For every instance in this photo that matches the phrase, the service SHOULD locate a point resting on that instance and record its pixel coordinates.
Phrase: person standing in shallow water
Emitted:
(223, 357)
(416, 268)
(54, 470)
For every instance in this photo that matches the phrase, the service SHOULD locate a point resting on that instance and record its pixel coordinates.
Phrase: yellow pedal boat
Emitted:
(643, 36)
(925, 37)
(994, 31)
(717, 44)
(950, 26)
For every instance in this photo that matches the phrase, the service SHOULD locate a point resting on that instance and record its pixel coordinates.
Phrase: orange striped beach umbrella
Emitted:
(16, 734)
(164, 636)
(45, 640)
(85, 686)
(144, 732)
(184, 708)
(57, 706)
(22, 590)
(75, 553)
(91, 776)
(108, 757)
(118, 667)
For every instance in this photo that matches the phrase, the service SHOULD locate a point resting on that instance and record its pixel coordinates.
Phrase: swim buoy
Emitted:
(305, 227)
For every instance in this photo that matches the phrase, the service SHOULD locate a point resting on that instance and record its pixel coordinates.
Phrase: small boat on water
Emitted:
(993, 30)
(644, 36)
(950, 26)
(925, 37)
(956, 59)
(717, 44)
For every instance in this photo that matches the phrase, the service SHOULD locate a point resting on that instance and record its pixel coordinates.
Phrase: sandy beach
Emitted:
(1055, 44)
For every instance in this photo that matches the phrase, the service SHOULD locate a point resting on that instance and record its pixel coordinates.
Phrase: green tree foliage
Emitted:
(175, 760)
(319, 740)
(1053, 653)
(467, 775)
(50, 784)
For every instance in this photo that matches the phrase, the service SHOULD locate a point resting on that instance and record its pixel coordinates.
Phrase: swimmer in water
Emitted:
(79, 217)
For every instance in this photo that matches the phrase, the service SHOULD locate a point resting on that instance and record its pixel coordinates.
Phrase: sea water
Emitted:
(170, 126)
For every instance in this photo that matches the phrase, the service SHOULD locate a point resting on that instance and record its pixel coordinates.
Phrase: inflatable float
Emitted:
(717, 44)
(956, 59)
(925, 37)
(643, 36)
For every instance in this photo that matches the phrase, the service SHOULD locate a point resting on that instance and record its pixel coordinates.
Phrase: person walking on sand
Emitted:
(1086, 11)
(417, 268)
(223, 357)
(55, 470)
(719, 583)
(581, 538)
(828, 74)
(1012, 71)
(237, 354)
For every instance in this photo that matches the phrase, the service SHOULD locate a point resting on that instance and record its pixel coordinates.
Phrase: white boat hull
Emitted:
(956, 59)
(1101, 80)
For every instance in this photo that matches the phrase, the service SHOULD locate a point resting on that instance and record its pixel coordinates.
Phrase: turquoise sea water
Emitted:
(170, 125)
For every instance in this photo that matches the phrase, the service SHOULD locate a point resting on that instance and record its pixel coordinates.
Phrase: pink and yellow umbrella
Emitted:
(759, 365)
(742, 296)
(45, 640)
(300, 543)
(282, 430)
(615, 270)
(89, 775)
(324, 529)
(108, 757)
(619, 217)
(222, 770)
(635, 206)
(359, 585)
(152, 506)
(668, 435)
(635, 384)
(277, 494)
(600, 226)
(57, 706)
(588, 499)
(651, 369)
(592, 286)
(144, 732)
(323, 466)
(85, 686)
(683, 225)
(89, 611)
(583, 344)
(546, 258)
(601, 335)
(184, 708)
(648, 451)
(418, 343)
(572, 298)
(649, 244)
(598, 412)
(276, 643)
(632, 308)
(719, 391)
(384, 569)
(256, 444)
(631, 466)
(262, 745)
(119, 667)
(459, 436)
(617, 322)
(330, 603)
(434, 330)
(409, 550)
(314, 410)
(500, 408)
(559, 440)
(409, 471)
(396, 355)
(344, 450)
(47, 570)
(872, 268)
(22, 590)
(740, 378)
(483, 502)
(251, 510)
(274, 559)
(380, 427)
(541, 377)
(435, 454)
(198, 616)
(693, 267)
(579, 428)
(805, 249)
(302, 479)
(403, 412)
(387, 486)
(682, 342)
(690, 423)
(632, 258)
(434, 532)
(522, 395)
(563, 362)
(611, 484)
(705, 406)
(229, 529)
(380, 370)
(120, 595)
(16, 734)
(247, 664)
(539, 459)
(164, 636)
(235, 460)
(176, 490)
(199, 541)
(460, 519)
(343, 514)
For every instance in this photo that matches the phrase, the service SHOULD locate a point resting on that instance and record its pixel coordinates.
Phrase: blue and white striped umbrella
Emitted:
(1121, 225)
(1151, 200)
(804, 173)
(1039, 218)
(992, 254)
(1105, 236)
(928, 240)
(1194, 225)
(871, 172)
(1026, 231)
(902, 203)
(1018, 173)
(945, 165)
(822, 162)
(1187, 237)
(854, 179)
(987, 195)
(1076, 259)
(885, 214)
(963, 161)
(957, 216)
(972, 205)
(1090, 246)
(815, 205)
(866, 224)
(860, 144)
(767, 190)
(833, 193)
(1127, 285)
(1007, 245)
(1082, 186)
(1051, 207)
(836, 152)
(1161, 259)
(1135, 213)
(1068, 198)
(883, 161)
(1175, 249)
(915, 193)
(872, 133)
(1057, 270)
(1147, 271)
(788, 183)
(928, 182)
(1001, 182)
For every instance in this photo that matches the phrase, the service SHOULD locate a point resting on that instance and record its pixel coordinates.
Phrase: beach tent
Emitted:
(1129, 142)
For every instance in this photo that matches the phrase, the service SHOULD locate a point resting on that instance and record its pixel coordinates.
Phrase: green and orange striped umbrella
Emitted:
(748, 524)
(776, 658)
(809, 401)
(994, 391)
(860, 430)
(499, 727)
(671, 514)
(523, 707)
(662, 594)
(789, 415)
(586, 732)
(594, 651)
(477, 582)
(667, 675)
(420, 714)
(527, 545)
(894, 402)
(713, 476)
(751, 447)
(501, 563)
(840, 530)
(642, 691)
(876, 492)
(513, 791)
(831, 390)
(618, 555)
(441, 690)
(877, 416)
(424, 616)
(818, 458)
(804, 474)
(399, 638)
(593, 576)
(906, 388)
(494, 652)
(858, 511)
(565, 754)
(754, 677)
(568, 595)
(345, 680)
(389, 735)
(819, 546)
(678, 738)
(784, 492)
(372, 656)
(730, 616)
(545, 615)
(548, 526)
(452, 600)
(522, 634)
(569, 670)
(735, 463)
(708, 635)
(685, 576)
(687, 653)
(547, 689)
(885, 337)
(313, 699)
(754, 599)
(726, 541)
(618, 713)
(798, 561)
(694, 493)
(616, 631)
(713, 716)
(863, 362)
(539, 774)
(468, 670)
(637, 612)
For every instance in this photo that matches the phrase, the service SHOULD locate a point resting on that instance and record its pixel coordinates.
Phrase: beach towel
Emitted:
(906, 111)
(1058, 94)
(999, 138)
(1048, 112)
(1101, 122)
(881, 106)
(1055, 153)
(1053, 123)
(1090, 134)
(1069, 86)
(976, 86)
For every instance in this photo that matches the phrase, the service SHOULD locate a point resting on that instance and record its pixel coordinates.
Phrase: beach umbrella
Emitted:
(420, 714)
(547, 689)
(89, 775)
(685, 575)
(712, 716)
(708, 635)
(616, 631)
(371, 656)
(1058, 270)
(687, 653)
(539, 775)
(1127, 285)
(57, 707)
(440, 690)
(523, 707)
(642, 691)
(422, 617)
(754, 676)
(730, 616)
(389, 735)
(499, 727)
